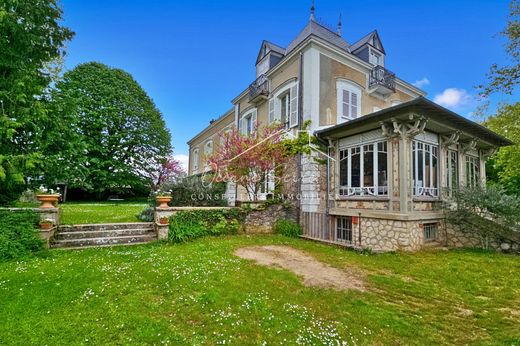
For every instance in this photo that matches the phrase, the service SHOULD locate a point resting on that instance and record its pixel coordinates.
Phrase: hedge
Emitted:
(19, 236)
(190, 224)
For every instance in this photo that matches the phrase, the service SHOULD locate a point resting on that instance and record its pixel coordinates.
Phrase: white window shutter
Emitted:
(253, 121)
(346, 103)
(241, 126)
(355, 105)
(271, 110)
(293, 118)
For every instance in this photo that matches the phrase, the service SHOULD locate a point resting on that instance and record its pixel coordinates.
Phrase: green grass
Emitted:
(200, 293)
(100, 212)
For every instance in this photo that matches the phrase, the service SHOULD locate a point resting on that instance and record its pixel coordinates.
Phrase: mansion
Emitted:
(392, 154)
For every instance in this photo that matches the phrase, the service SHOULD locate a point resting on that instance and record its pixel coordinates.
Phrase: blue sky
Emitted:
(193, 57)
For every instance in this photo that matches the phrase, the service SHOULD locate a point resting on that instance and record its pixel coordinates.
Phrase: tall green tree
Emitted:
(31, 37)
(112, 131)
(505, 79)
(504, 167)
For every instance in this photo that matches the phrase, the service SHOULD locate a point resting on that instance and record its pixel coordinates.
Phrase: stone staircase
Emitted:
(98, 235)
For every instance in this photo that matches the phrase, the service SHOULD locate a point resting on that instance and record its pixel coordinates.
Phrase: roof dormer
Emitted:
(370, 49)
(269, 55)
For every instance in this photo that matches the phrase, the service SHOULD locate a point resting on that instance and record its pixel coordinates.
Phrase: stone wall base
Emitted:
(262, 220)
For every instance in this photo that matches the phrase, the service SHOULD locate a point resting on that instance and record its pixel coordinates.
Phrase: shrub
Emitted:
(486, 213)
(191, 191)
(19, 236)
(147, 214)
(190, 224)
(288, 228)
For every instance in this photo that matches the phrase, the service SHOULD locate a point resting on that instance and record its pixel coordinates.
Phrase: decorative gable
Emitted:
(268, 56)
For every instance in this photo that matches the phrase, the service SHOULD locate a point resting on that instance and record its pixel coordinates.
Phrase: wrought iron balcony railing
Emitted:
(259, 88)
(381, 77)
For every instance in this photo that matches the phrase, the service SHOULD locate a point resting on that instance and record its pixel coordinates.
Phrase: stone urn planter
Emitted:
(163, 201)
(47, 201)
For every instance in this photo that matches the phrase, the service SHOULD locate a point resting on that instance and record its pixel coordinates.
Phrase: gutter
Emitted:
(300, 125)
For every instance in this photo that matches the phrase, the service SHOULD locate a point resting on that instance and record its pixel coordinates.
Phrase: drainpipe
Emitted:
(327, 201)
(300, 124)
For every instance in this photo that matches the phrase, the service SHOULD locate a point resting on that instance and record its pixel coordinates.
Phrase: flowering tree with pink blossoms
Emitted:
(163, 171)
(245, 159)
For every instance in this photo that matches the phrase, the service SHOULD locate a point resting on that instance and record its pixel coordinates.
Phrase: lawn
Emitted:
(200, 293)
(100, 212)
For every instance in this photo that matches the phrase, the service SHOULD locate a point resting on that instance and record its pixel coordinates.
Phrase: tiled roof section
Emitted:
(316, 29)
(267, 47)
(275, 48)
(365, 40)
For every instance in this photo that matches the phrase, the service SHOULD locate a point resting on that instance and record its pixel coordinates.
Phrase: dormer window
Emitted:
(375, 58)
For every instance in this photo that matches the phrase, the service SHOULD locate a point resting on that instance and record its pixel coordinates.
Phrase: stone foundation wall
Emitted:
(391, 235)
(263, 220)
(453, 236)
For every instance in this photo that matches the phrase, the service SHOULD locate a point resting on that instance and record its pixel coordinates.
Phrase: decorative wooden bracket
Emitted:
(469, 146)
(404, 129)
(452, 139)
(489, 152)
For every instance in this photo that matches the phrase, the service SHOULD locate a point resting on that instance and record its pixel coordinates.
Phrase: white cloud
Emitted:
(421, 82)
(183, 160)
(453, 98)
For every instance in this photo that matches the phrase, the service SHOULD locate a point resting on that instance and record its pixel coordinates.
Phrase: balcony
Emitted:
(259, 89)
(382, 81)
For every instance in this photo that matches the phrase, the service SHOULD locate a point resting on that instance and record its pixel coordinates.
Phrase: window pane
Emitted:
(427, 163)
(382, 175)
(356, 167)
(368, 165)
(420, 161)
(343, 168)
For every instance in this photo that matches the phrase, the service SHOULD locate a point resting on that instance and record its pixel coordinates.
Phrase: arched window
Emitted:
(348, 100)
(283, 105)
(208, 148)
(195, 160)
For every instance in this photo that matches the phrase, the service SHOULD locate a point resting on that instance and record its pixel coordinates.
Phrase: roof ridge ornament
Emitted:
(339, 25)
(312, 12)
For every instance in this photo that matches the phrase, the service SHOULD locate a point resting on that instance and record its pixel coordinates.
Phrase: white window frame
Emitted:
(372, 52)
(351, 88)
(195, 160)
(419, 190)
(251, 116)
(364, 191)
(275, 104)
(472, 172)
(451, 168)
(207, 152)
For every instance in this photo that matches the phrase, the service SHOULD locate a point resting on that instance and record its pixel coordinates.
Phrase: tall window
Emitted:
(472, 171)
(452, 170)
(349, 101)
(248, 122)
(424, 162)
(195, 160)
(363, 170)
(285, 109)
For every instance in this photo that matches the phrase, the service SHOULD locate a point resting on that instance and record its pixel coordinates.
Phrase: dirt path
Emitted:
(313, 272)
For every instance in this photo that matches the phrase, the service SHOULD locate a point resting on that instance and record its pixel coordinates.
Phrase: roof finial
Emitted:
(312, 11)
(339, 25)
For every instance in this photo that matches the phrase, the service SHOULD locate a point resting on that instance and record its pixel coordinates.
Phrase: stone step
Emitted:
(106, 226)
(64, 235)
(93, 242)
